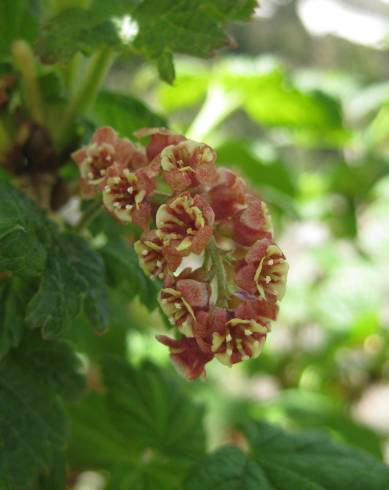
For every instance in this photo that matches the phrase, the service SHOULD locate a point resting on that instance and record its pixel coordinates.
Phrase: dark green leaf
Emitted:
(166, 67)
(123, 270)
(149, 408)
(74, 275)
(76, 30)
(151, 432)
(281, 461)
(14, 295)
(125, 113)
(32, 423)
(194, 27)
(90, 267)
(24, 233)
(228, 469)
(54, 361)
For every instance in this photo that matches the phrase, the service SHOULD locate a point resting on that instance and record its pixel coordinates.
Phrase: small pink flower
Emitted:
(263, 271)
(125, 194)
(105, 149)
(228, 195)
(182, 300)
(252, 223)
(185, 224)
(244, 334)
(188, 164)
(185, 354)
(159, 139)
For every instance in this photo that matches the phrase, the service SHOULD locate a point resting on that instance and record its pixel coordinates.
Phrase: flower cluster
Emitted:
(208, 240)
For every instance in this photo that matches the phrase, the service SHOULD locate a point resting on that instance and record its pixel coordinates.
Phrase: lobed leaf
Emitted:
(281, 461)
(74, 276)
(187, 26)
(24, 233)
(32, 422)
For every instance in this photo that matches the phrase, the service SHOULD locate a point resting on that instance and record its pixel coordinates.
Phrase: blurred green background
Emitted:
(301, 109)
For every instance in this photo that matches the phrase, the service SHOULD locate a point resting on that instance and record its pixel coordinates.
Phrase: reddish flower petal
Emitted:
(186, 355)
(159, 139)
(252, 223)
(263, 271)
(188, 164)
(228, 196)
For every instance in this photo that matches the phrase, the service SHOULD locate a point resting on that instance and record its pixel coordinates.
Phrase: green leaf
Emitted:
(125, 113)
(14, 295)
(90, 266)
(16, 22)
(282, 461)
(24, 233)
(273, 99)
(166, 68)
(149, 408)
(75, 30)
(32, 422)
(74, 275)
(195, 27)
(123, 271)
(263, 173)
(145, 432)
(228, 469)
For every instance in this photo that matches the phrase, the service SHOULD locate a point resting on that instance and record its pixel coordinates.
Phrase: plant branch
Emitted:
(24, 60)
(86, 93)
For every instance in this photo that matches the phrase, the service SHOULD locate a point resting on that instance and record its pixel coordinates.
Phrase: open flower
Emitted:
(125, 194)
(185, 224)
(244, 333)
(186, 355)
(188, 164)
(105, 149)
(228, 195)
(149, 251)
(263, 271)
(159, 139)
(182, 300)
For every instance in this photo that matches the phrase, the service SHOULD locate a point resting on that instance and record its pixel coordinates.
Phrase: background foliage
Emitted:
(88, 399)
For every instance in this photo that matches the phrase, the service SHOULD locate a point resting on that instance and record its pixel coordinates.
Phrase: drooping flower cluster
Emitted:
(208, 240)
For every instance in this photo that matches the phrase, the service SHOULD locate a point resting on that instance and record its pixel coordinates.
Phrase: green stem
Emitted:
(89, 215)
(24, 60)
(218, 266)
(86, 93)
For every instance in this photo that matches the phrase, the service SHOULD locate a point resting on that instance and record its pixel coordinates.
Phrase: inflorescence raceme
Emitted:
(206, 236)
